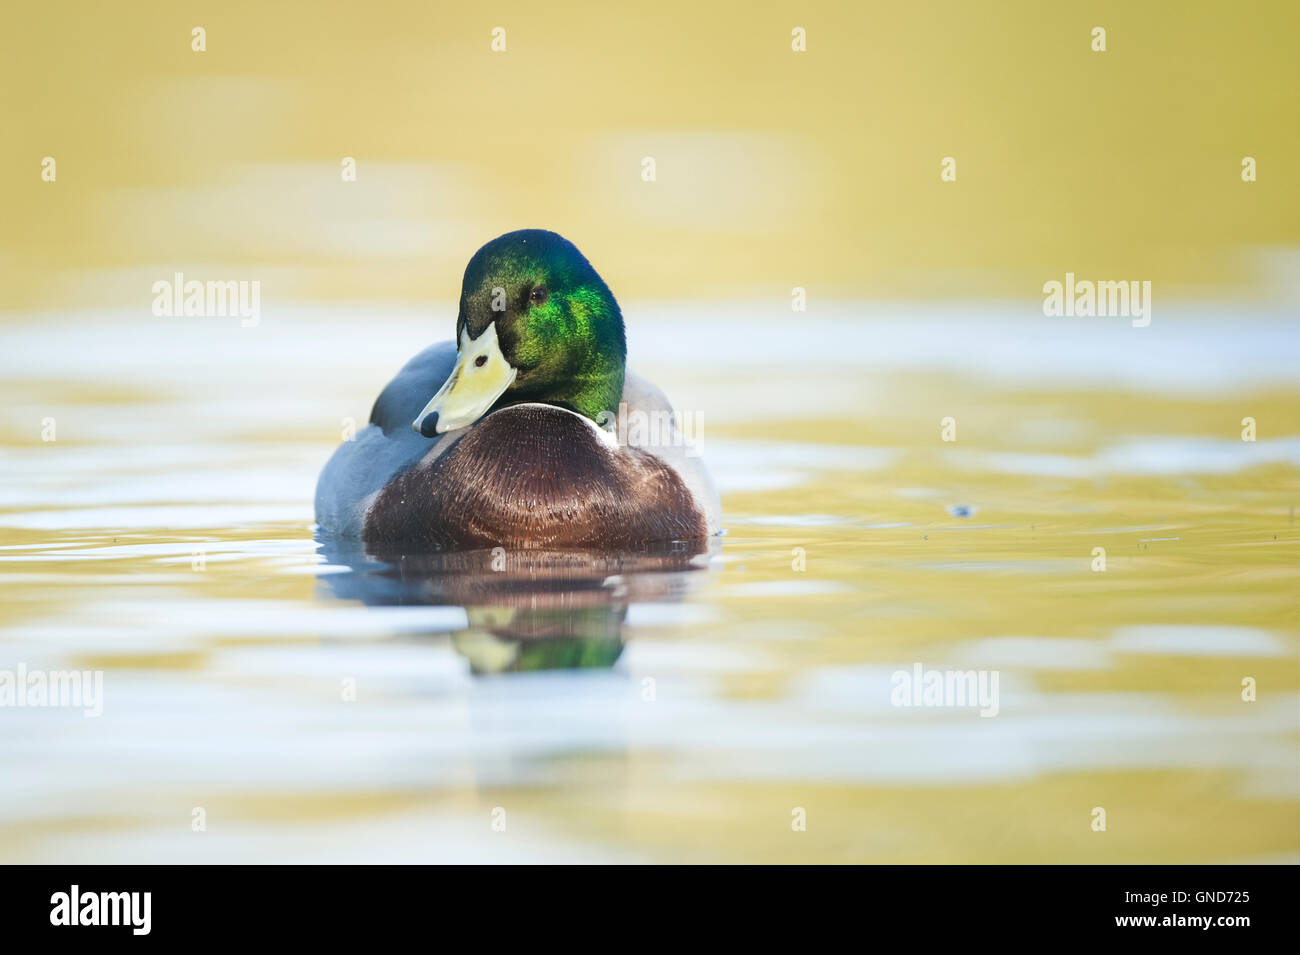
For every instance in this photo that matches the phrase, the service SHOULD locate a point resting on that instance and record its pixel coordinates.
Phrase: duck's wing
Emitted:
(679, 451)
(405, 396)
(363, 465)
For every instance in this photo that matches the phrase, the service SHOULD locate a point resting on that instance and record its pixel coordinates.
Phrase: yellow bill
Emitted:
(480, 377)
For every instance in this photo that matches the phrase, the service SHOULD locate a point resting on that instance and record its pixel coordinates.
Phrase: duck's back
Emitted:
(362, 466)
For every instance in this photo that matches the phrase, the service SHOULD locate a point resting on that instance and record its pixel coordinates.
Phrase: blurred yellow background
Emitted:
(774, 168)
(156, 475)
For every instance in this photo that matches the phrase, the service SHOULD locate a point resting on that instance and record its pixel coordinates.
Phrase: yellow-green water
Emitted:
(164, 537)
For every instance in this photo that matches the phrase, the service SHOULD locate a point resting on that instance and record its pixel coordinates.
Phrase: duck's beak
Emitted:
(480, 377)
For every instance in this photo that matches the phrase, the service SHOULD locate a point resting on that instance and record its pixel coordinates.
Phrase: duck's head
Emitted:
(536, 323)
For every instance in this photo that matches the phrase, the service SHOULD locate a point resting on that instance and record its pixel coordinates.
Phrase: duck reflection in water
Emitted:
(527, 609)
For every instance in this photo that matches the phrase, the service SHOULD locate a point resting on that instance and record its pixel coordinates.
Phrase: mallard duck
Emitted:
(507, 438)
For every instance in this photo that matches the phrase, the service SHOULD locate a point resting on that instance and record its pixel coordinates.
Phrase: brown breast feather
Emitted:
(534, 477)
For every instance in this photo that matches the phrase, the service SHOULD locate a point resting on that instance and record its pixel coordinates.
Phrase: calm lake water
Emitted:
(306, 704)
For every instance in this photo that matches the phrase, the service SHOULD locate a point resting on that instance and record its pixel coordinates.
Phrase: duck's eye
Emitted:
(538, 295)
(480, 361)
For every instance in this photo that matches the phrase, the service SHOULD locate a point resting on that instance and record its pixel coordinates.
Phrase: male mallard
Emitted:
(510, 450)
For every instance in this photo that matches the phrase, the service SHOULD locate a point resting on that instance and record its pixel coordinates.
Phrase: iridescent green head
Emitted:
(536, 323)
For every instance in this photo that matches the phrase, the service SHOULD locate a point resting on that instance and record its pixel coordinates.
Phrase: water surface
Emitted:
(317, 705)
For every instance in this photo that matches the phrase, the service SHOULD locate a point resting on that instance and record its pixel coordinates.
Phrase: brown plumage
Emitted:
(535, 477)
